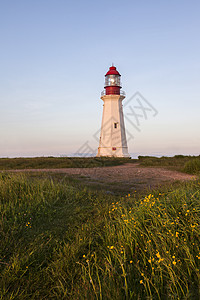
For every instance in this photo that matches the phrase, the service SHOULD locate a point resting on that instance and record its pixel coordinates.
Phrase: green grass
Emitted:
(192, 166)
(60, 162)
(178, 162)
(62, 241)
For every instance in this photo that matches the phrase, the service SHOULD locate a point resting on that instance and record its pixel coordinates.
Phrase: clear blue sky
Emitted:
(53, 58)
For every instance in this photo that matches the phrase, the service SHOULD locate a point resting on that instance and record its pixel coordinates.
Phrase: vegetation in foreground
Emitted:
(62, 241)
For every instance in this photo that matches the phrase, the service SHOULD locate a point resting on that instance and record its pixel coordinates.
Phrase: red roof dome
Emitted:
(112, 71)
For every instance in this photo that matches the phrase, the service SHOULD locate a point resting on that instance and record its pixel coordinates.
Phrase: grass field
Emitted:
(60, 162)
(60, 240)
(188, 164)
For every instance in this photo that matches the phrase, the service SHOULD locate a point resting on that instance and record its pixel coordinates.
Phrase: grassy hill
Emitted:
(60, 240)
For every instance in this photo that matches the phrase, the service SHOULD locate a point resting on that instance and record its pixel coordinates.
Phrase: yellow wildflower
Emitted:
(158, 254)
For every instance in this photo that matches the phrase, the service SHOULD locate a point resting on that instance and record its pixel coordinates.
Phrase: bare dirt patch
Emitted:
(131, 176)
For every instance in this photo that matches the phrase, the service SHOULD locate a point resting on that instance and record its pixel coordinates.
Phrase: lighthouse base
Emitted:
(113, 152)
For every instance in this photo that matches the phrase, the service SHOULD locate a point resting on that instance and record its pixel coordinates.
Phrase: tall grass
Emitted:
(193, 166)
(60, 162)
(60, 241)
(177, 161)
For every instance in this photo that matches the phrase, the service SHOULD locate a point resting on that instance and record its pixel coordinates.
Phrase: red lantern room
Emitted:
(112, 82)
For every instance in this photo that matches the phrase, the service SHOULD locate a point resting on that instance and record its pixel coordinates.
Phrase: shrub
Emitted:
(192, 166)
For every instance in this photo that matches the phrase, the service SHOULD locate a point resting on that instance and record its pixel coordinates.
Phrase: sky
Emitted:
(53, 58)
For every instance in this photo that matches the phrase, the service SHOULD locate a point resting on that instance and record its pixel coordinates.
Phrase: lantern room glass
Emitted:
(112, 80)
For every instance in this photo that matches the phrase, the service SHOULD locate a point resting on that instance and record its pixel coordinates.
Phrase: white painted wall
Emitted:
(112, 137)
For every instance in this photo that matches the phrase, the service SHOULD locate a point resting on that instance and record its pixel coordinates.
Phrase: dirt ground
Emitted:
(131, 176)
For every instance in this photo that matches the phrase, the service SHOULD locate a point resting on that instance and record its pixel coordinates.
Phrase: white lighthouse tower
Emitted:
(113, 135)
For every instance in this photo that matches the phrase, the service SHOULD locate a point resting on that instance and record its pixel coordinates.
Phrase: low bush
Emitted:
(192, 166)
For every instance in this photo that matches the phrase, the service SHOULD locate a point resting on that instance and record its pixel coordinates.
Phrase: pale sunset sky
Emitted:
(53, 58)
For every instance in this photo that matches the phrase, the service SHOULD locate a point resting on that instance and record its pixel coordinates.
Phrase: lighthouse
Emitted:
(113, 141)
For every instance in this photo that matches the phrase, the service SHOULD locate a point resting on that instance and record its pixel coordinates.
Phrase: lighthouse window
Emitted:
(112, 80)
(115, 125)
